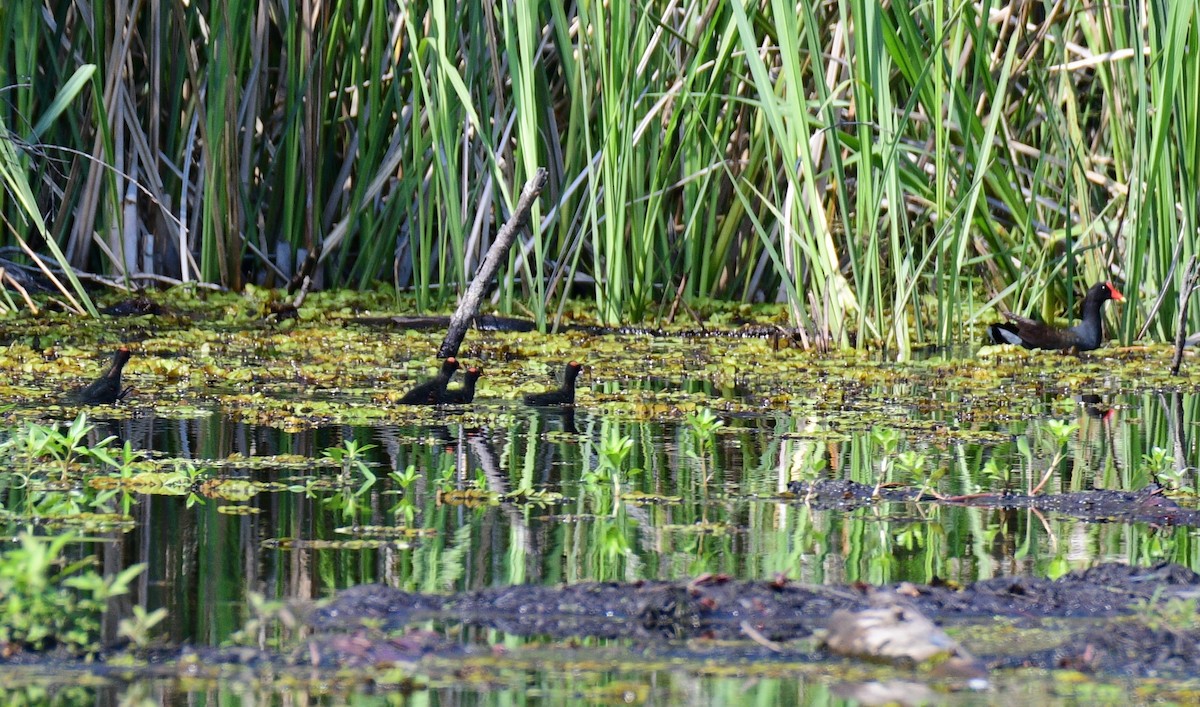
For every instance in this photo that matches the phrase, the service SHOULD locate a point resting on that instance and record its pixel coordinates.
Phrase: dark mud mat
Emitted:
(1147, 505)
(1120, 618)
(1109, 620)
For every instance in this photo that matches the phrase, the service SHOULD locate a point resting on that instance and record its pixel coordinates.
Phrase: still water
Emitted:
(649, 477)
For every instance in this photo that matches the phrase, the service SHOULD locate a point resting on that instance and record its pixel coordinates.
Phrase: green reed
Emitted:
(890, 173)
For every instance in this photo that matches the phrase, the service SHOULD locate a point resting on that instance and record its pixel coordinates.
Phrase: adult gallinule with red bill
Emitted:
(1084, 336)
(106, 389)
(466, 393)
(431, 392)
(564, 395)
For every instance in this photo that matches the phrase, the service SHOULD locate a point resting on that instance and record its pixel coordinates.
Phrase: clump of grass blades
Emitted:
(882, 170)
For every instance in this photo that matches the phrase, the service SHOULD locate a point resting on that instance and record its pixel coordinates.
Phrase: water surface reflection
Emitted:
(545, 496)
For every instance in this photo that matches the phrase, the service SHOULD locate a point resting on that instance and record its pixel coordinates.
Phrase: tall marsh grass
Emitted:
(891, 173)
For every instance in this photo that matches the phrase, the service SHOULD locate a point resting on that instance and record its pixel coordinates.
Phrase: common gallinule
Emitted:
(564, 395)
(466, 393)
(431, 392)
(1084, 336)
(106, 389)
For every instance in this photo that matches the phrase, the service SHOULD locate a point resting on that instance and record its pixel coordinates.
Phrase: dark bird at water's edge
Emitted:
(466, 393)
(1084, 336)
(431, 392)
(106, 389)
(564, 395)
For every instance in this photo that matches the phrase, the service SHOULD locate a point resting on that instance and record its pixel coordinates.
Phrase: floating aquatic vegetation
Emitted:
(383, 531)
(682, 455)
(238, 510)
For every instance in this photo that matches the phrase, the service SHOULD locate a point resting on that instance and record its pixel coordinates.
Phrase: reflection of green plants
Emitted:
(704, 424)
(42, 607)
(613, 542)
(911, 537)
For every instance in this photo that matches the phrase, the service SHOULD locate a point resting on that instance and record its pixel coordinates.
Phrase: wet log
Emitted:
(468, 308)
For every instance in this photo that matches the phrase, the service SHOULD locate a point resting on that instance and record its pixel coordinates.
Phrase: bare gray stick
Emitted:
(468, 308)
(1190, 278)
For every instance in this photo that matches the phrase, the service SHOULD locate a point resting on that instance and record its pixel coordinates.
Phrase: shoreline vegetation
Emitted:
(895, 175)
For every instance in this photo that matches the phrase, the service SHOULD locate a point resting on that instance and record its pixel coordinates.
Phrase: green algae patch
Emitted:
(468, 498)
(355, 544)
(641, 498)
(385, 532)
(238, 510)
(216, 354)
(700, 529)
(237, 489)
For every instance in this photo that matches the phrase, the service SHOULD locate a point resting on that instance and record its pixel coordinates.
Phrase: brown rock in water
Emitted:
(894, 631)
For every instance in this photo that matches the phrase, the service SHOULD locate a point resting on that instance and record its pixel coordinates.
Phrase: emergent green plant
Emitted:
(351, 457)
(886, 439)
(36, 444)
(1058, 435)
(44, 605)
(138, 628)
(1158, 464)
(704, 424)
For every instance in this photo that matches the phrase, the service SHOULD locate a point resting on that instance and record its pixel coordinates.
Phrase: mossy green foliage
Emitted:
(216, 351)
(47, 601)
